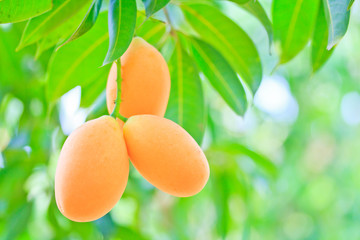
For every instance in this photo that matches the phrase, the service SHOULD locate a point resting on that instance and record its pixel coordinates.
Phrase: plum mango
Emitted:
(92, 170)
(145, 86)
(166, 155)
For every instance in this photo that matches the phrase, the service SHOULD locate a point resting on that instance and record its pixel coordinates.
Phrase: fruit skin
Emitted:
(166, 155)
(145, 86)
(92, 170)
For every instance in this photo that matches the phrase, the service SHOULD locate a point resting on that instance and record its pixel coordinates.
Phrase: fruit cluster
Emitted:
(93, 166)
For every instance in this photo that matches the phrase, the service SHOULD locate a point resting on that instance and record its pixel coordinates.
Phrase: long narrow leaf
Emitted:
(20, 10)
(255, 8)
(78, 62)
(88, 21)
(293, 23)
(240, 149)
(90, 92)
(122, 21)
(350, 4)
(152, 6)
(337, 15)
(41, 26)
(221, 76)
(228, 38)
(151, 30)
(61, 33)
(319, 52)
(186, 103)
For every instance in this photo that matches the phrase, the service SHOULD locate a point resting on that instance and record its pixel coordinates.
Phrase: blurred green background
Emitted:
(289, 169)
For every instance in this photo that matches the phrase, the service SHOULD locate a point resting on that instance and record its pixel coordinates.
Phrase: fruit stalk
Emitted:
(115, 113)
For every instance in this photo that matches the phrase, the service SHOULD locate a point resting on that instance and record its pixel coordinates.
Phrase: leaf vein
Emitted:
(81, 58)
(46, 19)
(220, 77)
(219, 35)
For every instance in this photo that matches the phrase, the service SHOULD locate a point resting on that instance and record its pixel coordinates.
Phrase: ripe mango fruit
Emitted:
(166, 155)
(92, 170)
(145, 86)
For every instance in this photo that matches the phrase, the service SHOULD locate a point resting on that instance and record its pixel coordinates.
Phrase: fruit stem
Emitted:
(115, 113)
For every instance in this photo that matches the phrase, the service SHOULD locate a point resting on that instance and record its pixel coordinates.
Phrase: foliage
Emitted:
(273, 180)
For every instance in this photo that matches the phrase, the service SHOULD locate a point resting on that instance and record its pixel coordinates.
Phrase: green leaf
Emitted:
(10, 68)
(337, 16)
(241, 1)
(221, 189)
(151, 30)
(91, 91)
(62, 32)
(98, 108)
(255, 8)
(221, 76)
(293, 23)
(350, 4)
(152, 6)
(240, 149)
(168, 48)
(122, 21)
(20, 10)
(78, 62)
(186, 103)
(88, 21)
(41, 26)
(228, 38)
(21, 218)
(124, 232)
(319, 52)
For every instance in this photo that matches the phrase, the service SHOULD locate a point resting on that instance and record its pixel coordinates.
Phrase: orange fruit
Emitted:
(92, 170)
(166, 155)
(145, 86)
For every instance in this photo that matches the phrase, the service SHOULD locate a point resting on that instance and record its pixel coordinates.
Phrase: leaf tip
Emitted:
(330, 46)
(19, 47)
(276, 67)
(106, 62)
(61, 45)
